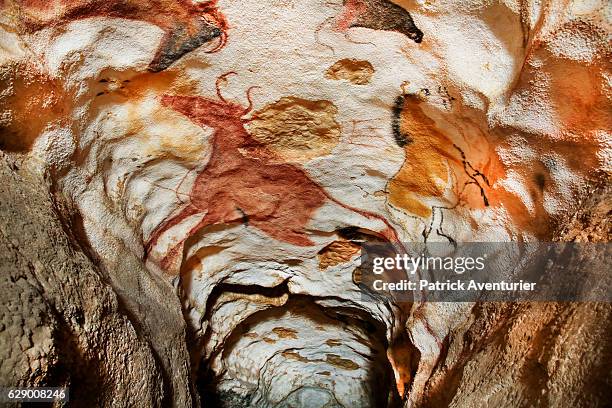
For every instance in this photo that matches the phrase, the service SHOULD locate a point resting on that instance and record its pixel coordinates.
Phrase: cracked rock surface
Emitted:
(186, 187)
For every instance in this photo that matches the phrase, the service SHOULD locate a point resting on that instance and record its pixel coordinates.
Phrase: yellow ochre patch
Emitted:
(336, 253)
(297, 129)
(355, 71)
(429, 154)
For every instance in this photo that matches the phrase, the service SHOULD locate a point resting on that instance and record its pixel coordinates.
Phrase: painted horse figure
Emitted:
(187, 24)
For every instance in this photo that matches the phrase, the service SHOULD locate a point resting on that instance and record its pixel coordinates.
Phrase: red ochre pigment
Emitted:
(244, 181)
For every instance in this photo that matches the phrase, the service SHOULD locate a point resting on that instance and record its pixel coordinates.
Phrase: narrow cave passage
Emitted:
(306, 355)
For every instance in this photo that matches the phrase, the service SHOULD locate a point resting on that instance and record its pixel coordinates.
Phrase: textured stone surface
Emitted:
(213, 168)
(63, 322)
(531, 354)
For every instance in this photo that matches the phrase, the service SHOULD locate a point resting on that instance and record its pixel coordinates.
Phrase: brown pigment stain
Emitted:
(292, 355)
(344, 363)
(336, 253)
(30, 101)
(333, 342)
(253, 297)
(355, 71)
(357, 276)
(297, 129)
(285, 333)
(245, 182)
(269, 340)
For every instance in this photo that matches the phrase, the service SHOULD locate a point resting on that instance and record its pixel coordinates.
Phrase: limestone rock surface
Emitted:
(64, 324)
(186, 187)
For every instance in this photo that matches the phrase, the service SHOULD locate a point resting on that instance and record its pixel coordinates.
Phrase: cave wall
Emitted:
(66, 323)
(187, 186)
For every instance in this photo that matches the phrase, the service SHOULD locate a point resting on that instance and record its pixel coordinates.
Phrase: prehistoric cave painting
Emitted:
(244, 181)
(451, 164)
(382, 15)
(443, 169)
(430, 154)
(187, 24)
(297, 129)
(358, 72)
